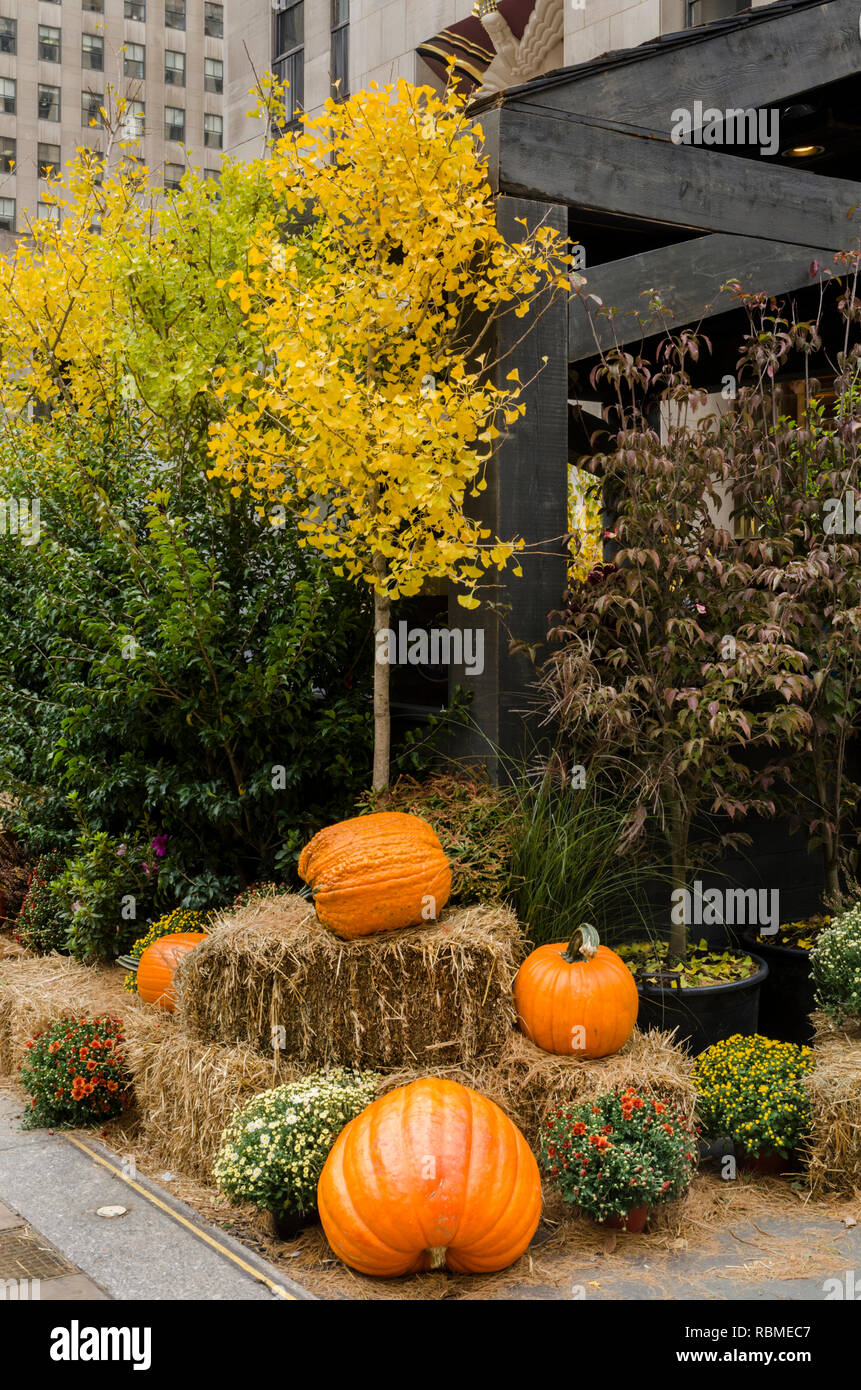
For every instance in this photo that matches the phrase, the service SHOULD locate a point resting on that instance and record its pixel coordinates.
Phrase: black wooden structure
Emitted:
(589, 149)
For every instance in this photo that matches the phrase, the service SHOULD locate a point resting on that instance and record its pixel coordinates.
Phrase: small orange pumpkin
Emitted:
(431, 1175)
(376, 873)
(158, 963)
(576, 999)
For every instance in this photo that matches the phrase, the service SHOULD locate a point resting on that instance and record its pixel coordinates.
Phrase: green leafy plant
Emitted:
(182, 919)
(106, 888)
(702, 966)
(75, 1073)
(42, 924)
(273, 1151)
(835, 961)
(751, 1090)
(618, 1151)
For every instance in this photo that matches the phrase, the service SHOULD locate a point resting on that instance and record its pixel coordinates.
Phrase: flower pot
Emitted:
(771, 1164)
(788, 995)
(705, 1014)
(289, 1225)
(633, 1221)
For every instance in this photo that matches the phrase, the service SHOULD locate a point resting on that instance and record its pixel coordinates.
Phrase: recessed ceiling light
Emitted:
(802, 151)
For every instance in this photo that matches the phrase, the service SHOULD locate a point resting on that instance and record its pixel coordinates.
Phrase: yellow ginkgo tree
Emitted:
(380, 397)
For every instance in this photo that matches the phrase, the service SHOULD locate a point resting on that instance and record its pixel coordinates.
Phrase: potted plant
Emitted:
(836, 964)
(273, 1151)
(750, 1090)
(619, 1156)
(787, 998)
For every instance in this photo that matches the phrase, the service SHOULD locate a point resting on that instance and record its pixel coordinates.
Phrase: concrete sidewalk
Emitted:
(51, 1191)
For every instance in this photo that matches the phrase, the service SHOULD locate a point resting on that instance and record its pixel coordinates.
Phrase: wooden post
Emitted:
(527, 496)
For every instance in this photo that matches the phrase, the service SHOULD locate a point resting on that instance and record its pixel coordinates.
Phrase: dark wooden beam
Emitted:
(689, 278)
(600, 166)
(764, 62)
(526, 496)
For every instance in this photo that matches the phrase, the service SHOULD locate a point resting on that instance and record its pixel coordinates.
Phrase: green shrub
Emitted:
(106, 889)
(836, 964)
(750, 1089)
(43, 925)
(171, 661)
(273, 1151)
(75, 1073)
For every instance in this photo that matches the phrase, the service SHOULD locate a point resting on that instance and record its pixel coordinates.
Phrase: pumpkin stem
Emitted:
(437, 1254)
(584, 942)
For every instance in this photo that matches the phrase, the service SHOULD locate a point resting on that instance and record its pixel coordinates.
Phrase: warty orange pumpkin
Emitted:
(376, 873)
(576, 998)
(431, 1175)
(158, 963)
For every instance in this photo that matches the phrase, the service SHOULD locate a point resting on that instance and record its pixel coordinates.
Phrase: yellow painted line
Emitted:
(175, 1216)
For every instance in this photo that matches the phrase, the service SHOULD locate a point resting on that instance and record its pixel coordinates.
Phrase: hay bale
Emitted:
(422, 996)
(834, 1088)
(186, 1090)
(36, 991)
(527, 1083)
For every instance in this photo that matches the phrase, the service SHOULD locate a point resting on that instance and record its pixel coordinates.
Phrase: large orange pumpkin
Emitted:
(577, 999)
(157, 964)
(376, 873)
(431, 1175)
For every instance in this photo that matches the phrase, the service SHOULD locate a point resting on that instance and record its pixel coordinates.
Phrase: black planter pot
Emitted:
(705, 1015)
(288, 1226)
(788, 995)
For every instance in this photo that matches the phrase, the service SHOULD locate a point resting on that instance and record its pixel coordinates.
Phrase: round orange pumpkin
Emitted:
(157, 964)
(376, 873)
(431, 1175)
(577, 999)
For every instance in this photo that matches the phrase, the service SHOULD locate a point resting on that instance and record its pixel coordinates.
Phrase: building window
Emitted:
(7, 214)
(174, 68)
(94, 6)
(8, 36)
(49, 102)
(136, 9)
(212, 175)
(48, 212)
(134, 119)
(93, 52)
(213, 132)
(289, 64)
(174, 123)
(213, 20)
(704, 11)
(174, 14)
(134, 60)
(340, 56)
(8, 147)
(173, 176)
(91, 108)
(213, 75)
(50, 44)
(49, 160)
(8, 100)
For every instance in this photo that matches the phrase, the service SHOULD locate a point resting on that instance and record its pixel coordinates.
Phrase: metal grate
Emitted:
(24, 1256)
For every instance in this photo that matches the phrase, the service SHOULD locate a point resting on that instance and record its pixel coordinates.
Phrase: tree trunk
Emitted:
(382, 714)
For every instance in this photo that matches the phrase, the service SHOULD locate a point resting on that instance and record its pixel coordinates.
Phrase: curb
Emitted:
(280, 1285)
